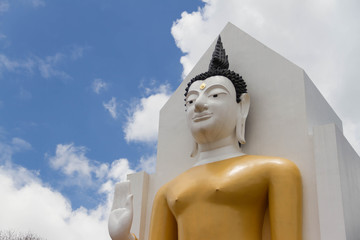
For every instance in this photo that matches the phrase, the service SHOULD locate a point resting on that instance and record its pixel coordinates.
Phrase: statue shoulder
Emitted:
(275, 165)
(162, 190)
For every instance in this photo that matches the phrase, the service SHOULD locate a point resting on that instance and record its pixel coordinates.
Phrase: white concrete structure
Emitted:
(288, 118)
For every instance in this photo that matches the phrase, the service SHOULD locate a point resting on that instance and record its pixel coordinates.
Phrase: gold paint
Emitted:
(202, 86)
(234, 193)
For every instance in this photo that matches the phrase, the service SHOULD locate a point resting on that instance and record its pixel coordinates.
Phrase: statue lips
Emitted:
(201, 117)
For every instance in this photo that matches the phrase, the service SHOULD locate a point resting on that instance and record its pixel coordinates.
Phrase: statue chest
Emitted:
(224, 184)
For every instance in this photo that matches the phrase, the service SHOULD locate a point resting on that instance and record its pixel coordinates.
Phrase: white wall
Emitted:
(349, 163)
(331, 213)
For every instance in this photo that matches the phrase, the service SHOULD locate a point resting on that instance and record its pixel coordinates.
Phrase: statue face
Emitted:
(212, 109)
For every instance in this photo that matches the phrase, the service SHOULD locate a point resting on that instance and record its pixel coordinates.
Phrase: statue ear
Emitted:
(194, 150)
(243, 110)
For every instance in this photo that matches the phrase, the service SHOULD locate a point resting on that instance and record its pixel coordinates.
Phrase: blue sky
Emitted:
(60, 50)
(81, 84)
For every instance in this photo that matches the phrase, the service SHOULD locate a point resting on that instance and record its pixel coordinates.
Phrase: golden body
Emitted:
(228, 199)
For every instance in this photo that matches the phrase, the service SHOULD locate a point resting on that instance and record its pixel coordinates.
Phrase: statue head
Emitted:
(217, 102)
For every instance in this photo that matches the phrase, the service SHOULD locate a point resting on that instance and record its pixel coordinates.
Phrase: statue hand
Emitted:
(121, 214)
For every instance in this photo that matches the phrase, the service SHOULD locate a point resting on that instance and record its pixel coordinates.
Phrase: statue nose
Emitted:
(200, 105)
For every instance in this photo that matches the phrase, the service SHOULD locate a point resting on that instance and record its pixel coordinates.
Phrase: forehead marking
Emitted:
(202, 86)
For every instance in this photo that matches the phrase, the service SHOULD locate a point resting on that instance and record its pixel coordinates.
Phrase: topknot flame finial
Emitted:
(219, 58)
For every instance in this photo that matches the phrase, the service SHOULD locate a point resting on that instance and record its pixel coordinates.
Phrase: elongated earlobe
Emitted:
(243, 110)
(240, 131)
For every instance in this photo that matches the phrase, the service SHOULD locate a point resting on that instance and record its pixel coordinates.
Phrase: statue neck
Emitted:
(220, 150)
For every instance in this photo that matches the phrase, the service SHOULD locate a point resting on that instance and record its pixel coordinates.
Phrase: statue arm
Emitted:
(163, 224)
(285, 201)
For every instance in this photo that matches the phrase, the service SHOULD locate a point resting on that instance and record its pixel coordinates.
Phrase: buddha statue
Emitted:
(226, 194)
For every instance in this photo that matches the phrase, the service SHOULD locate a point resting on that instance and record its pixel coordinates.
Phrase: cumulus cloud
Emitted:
(142, 122)
(111, 107)
(147, 164)
(320, 36)
(29, 205)
(98, 85)
(119, 169)
(311, 40)
(117, 172)
(71, 160)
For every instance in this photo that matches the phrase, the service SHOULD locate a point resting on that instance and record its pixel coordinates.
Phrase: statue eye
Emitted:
(215, 95)
(190, 102)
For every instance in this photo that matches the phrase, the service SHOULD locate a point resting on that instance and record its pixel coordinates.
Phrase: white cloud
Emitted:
(107, 187)
(47, 66)
(142, 122)
(4, 6)
(15, 65)
(101, 170)
(38, 3)
(111, 107)
(71, 160)
(6, 153)
(119, 170)
(24, 94)
(19, 144)
(77, 52)
(320, 36)
(147, 164)
(27, 205)
(8, 64)
(98, 85)
(8, 149)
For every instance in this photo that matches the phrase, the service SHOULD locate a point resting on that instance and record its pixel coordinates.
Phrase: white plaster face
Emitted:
(212, 109)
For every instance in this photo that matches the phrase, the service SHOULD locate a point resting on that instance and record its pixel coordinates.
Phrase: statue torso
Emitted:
(221, 200)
